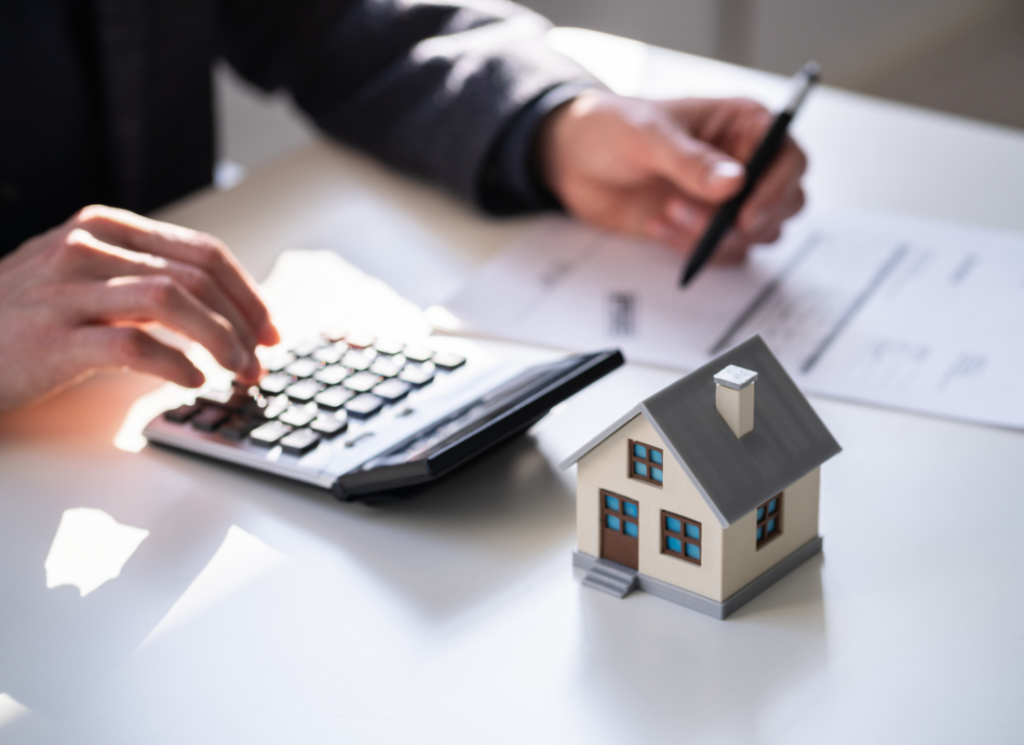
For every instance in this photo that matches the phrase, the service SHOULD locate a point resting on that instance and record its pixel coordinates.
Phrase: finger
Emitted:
(95, 347)
(773, 188)
(699, 170)
(188, 246)
(732, 249)
(161, 299)
(84, 255)
(770, 229)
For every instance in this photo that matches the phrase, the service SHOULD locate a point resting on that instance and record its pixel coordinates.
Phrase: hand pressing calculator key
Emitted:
(362, 416)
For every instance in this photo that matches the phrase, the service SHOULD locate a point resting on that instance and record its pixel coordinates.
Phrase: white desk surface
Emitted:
(262, 612)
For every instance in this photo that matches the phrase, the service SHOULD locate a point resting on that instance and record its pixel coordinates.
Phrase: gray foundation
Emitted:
(706, 605)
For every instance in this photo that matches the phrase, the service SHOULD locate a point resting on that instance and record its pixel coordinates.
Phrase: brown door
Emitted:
(620, 529)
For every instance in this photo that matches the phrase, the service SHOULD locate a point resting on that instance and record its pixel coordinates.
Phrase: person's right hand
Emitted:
(73, 299)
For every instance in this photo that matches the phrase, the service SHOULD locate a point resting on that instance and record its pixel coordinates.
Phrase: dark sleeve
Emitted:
(429, 87)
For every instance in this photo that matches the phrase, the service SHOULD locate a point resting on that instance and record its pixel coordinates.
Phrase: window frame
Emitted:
(620, 514)
(666, 533)
(647, 462)
(777, 516)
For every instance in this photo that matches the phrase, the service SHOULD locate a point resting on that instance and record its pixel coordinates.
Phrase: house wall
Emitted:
(743, 561)
(607, 467)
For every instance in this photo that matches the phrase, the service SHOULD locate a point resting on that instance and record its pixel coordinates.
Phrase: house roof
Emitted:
(734, 475)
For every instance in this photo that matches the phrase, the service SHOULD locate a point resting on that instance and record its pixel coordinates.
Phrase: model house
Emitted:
(705, 493)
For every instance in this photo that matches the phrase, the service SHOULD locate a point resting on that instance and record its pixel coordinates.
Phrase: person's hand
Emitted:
(73, 301)
(660, 169)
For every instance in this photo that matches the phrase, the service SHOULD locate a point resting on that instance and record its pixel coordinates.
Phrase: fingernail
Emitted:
(682, 215)
(724, 170)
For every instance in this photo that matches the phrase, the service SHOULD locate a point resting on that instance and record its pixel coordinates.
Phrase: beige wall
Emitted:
(742, 559)
(729, 558)
(607, 467)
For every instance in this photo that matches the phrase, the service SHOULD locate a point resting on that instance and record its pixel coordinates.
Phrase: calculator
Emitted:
(371, 419)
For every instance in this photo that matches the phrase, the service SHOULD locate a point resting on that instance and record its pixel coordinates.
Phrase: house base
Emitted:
(708, 606)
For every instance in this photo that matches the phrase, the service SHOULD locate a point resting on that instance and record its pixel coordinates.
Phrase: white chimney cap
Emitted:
(735, 377)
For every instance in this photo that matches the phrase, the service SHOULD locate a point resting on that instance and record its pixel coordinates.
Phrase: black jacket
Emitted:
(427, 86)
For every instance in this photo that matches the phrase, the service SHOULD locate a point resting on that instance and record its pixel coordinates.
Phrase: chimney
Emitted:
(734, 398)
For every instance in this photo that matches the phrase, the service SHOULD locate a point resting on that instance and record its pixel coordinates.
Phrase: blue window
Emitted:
(631, 529)
(680, 537)
(611, 521)
(620, 514)
(646, 463)
(630, 509)
(769, 520)
(611, 503)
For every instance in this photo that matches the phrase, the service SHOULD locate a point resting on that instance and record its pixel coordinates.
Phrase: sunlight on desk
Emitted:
(10, 710)
(240, 559)
(90, 548)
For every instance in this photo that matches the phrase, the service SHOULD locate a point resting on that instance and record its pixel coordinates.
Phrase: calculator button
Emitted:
(276, 406)
(417, 374)
(300, 441)
(392, 390)
(269, 433)
(361, 382)
(386, 367)
(210, 418)
(233, 399)
(335, 333)
(333, 398)
(329, 425)
(276, 360)
(275, 383)
(306, 348)
(418, 354)
(182, 413)
(297, 416)
(358, 359)
(238, 426)
(332, 375)
(364, 405)
(389, 346)
(303, 391)
(303, 368)
(360, 340)
(448, 360)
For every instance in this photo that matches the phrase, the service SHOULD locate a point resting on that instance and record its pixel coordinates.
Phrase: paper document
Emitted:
(907, 313)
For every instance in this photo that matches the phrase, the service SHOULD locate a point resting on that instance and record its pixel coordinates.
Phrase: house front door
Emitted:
(620, 529)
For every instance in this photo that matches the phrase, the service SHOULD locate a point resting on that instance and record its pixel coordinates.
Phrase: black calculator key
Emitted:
(233, 398)
(238, 426)
(300, 441)
(392, 390)
(358, 359)
(387, 367)
(182, 413)
(303, 368)
(306, 348)
(362, 382)
(269, 433)
(332, 375)
(277, 360)
(298, 416)
(364, 405)
(417, 374)
(210, 418)
(449, 360)
(418, 354)
(329, 425)
(334, 398)
(303, 391)
(328, 355)
(389, 346)
(360, 340)
(275, 383)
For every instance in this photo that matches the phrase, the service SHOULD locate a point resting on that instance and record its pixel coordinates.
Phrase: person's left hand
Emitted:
(660, 169)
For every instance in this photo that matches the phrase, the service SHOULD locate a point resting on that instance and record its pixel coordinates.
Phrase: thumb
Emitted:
(694, 167)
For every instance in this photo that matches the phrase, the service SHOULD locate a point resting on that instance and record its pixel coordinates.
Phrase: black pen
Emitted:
(763, 157)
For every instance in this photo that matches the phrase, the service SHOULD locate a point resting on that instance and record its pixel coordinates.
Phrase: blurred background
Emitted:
(964, 57)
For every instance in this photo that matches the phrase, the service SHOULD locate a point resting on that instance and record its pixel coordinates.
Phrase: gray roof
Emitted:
(734, 475)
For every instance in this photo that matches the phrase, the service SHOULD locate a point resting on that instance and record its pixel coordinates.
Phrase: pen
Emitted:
(765, 154)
